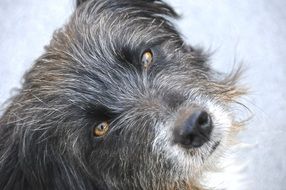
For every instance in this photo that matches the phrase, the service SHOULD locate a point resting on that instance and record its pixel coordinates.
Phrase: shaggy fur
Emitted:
(91, 72)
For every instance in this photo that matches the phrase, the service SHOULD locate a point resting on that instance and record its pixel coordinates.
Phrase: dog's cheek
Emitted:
(122, 151)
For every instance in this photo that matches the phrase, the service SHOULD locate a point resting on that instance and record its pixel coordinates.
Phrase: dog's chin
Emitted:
(190, 163)
(203, 152)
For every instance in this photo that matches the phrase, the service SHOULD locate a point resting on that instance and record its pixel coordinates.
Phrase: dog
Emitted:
(118, 101)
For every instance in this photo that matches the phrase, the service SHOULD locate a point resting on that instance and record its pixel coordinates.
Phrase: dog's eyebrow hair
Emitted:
(101, 113)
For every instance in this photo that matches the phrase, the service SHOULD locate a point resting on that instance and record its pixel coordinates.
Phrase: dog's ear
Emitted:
(79, 2)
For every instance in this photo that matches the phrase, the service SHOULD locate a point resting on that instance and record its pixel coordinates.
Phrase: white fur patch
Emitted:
(188, 164)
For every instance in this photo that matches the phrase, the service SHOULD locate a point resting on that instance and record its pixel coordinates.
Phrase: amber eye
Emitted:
(147, 59)
(101, 129)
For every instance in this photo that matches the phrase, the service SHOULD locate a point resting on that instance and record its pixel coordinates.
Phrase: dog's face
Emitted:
(122, 98)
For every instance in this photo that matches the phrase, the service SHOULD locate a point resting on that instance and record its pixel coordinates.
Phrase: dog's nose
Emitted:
(195, 130)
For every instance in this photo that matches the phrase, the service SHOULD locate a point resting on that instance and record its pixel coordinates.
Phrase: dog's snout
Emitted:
(195, 130)
(174, 99)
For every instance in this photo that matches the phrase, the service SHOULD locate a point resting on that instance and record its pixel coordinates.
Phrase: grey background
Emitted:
(247, 31)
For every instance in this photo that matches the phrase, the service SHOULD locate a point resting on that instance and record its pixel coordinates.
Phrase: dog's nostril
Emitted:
(195, 131)
(203, 118)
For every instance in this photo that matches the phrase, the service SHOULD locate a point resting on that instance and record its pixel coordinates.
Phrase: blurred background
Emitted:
(253, 33)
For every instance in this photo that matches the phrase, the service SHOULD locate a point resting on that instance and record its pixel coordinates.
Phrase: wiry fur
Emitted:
(90, 72)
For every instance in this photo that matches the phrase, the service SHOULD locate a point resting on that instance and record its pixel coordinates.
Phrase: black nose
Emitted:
(195, 130)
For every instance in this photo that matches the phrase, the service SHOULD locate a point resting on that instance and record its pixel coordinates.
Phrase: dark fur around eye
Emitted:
(100, 113)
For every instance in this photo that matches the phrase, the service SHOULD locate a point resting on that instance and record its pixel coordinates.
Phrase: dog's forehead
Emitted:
(103, 45)
(147, 7)
(106, 28)
(135, 19)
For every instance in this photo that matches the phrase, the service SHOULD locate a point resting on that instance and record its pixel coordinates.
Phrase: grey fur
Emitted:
(92, 71)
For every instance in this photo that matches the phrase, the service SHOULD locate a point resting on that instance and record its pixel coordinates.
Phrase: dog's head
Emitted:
(120, 101)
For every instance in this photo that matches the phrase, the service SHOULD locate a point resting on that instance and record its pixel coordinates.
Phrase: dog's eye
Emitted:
(101, 129)
(147, 59)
